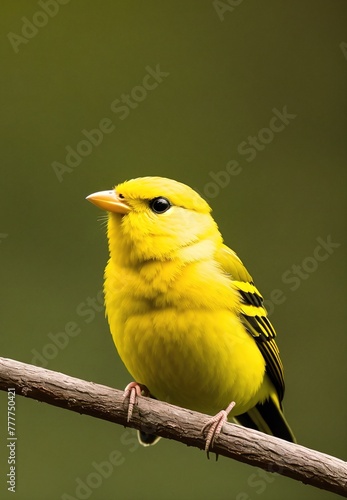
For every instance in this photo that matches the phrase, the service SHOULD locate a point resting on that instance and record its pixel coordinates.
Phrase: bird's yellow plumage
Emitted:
(183, 311)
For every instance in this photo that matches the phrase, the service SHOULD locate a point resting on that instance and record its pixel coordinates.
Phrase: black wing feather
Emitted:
(254, 316)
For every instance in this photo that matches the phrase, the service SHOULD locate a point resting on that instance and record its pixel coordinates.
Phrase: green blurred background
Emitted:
(227, 71)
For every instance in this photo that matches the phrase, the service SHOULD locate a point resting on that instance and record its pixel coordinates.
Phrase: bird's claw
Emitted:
(214, 426)
(132, 391)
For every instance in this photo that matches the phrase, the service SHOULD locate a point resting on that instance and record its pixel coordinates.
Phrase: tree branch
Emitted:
(242, 444)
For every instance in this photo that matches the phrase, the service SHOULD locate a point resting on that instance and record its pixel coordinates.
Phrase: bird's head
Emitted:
(157, 218)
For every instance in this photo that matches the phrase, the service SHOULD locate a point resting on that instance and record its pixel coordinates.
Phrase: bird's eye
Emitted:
(159, 205)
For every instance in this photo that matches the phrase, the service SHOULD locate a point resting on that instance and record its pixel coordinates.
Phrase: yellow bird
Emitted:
(185, 316)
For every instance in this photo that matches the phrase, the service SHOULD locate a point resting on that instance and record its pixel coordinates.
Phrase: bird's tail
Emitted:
(147, 438)
(267, 417)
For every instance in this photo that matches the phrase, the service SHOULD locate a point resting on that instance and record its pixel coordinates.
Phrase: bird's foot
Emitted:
(132, 391)
(214, 426)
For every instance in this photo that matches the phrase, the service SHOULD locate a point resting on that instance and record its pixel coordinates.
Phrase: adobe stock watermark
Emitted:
(40, 19)
(343, 47)
(297, 273)
(12, 439)
(122, 107)
(101, 471)
(87, 309)
(3, 236)
(259, 481)
(222, 7)
(249, 149)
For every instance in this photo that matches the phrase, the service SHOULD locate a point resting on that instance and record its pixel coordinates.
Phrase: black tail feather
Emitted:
(267, 417)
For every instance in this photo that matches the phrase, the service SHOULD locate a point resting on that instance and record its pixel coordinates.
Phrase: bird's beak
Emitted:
(110, 201)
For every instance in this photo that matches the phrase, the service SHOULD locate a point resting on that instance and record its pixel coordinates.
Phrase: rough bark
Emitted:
(242, 444)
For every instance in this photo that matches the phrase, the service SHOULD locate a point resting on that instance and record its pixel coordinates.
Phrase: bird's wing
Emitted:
(254, 316)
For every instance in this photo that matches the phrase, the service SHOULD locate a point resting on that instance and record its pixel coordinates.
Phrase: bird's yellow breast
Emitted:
(176, 328)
